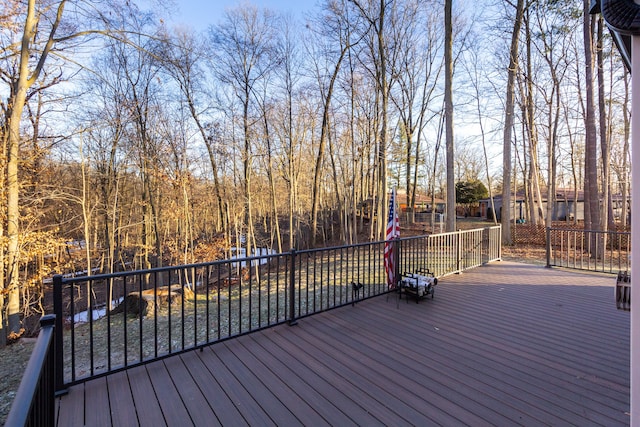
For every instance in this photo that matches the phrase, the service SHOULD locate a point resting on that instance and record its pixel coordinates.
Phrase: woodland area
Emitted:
(129, 143)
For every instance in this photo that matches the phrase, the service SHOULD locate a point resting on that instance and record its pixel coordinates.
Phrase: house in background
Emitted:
(517, 211)
(568, 206)
(422, 203)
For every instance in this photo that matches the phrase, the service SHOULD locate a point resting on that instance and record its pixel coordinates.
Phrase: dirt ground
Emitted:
(14, 360)
(527, 254)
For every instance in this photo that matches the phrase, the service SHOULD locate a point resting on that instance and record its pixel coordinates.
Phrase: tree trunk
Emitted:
(246, 168)
(272, 185)
(536, 211)
(384, 89)
(592, 208)
(319, 158)
(505, 218)
(607, 220)
(17, 99)
(625, 151)
(448, 113)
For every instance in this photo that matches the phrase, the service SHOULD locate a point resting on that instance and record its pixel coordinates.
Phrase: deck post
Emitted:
(397, 247)
(458, 251)
(48, 321)
(292, 289)
(58, 344)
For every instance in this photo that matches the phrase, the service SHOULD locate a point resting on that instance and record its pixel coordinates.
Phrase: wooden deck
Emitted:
(505, 344)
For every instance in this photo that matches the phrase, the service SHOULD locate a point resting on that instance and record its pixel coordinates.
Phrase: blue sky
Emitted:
(199, 14)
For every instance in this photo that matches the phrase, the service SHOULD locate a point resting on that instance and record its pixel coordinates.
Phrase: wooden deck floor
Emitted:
(505, 344)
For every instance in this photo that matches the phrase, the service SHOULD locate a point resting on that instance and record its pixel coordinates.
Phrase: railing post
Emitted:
(34, 403)
(485, 255)
(49, 321)
(396, 261)
(58, 338)
(548, 244)
(458, 250)
(292, 289)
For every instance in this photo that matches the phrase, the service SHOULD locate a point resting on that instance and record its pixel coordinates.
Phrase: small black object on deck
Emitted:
(623, 291)
(355, 291)
(418, 284)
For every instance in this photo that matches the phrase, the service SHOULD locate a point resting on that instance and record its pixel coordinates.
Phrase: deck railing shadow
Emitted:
(110, 322)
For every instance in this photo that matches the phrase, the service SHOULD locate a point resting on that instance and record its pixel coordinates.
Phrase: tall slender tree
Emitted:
(243, 52)
(184, 59)
(448, 115)
(591, 197)
(512, 70)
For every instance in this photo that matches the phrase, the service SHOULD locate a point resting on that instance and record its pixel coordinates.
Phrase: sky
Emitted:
(199, 14)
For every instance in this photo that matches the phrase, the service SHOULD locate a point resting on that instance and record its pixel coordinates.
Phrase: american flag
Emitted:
(393, 231)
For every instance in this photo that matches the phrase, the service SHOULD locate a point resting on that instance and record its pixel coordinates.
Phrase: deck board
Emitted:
(348, 388)
(243, 400)
(336, 402)
(422, 383)
(97, 410)
(371, 394)
(122, 408)
(265, 395)
(148, 410)
(72, 411)
(481, 369)
(225, 411)
(289, 388)
(504, 344)
(440, 378)
(168, 397)
(196, 403)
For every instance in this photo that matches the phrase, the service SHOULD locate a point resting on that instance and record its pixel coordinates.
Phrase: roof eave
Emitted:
(623, 19)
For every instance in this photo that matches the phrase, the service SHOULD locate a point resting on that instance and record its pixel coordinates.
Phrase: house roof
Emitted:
(562, 194)
(420, 198)
(623, 19)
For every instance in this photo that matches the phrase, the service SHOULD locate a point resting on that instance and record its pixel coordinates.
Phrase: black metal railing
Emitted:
(110, 322)
(601, 251)
(34, 403)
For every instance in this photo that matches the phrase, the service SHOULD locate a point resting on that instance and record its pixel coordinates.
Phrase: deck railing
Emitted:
(110, 322)
(450, 253)
(34, 403)
(602, 251)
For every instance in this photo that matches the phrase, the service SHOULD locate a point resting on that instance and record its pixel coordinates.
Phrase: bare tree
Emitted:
(475, 78)
(417, 67)
(551, 43)
(512, 70)
(337, 29)
(591, 197)
(292, 60)
(36, 44)
(39, 30)
(624, 174)
(183, 59)
(529, 112)
(607, 220)
(243, 52)
(448, 115)
(374, 12)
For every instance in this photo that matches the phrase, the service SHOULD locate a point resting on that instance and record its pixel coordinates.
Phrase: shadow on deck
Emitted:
(502, 344)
